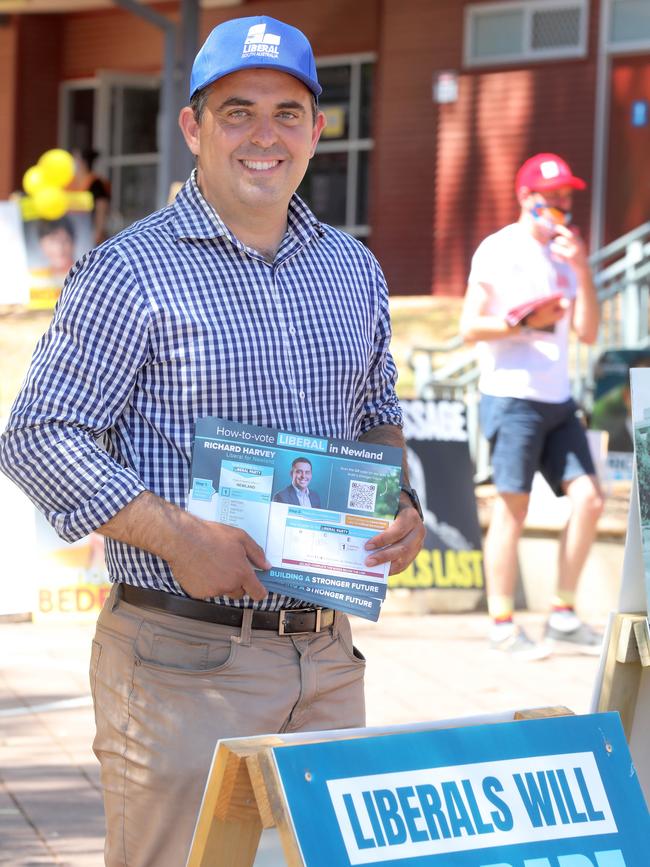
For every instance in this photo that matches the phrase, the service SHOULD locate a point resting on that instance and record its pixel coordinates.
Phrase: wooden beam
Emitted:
(622, 673)
(229, 826)
(543, 712)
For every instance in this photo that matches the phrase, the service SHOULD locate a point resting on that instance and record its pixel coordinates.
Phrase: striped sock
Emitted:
(501, 608)
(564, 600)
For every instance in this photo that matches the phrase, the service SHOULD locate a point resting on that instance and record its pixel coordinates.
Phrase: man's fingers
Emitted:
(254, 587)
(254, 553)
(400, 542)
(386, 537)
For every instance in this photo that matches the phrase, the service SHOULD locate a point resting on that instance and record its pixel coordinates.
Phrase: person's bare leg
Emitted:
(500, 559)
(579, 534)
(501, 540)
(564, 626)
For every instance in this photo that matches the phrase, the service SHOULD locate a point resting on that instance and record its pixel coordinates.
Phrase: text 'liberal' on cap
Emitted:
(547, 172)
(254, 43)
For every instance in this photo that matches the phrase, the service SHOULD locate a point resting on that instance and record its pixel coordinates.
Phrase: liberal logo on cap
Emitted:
(254, 43)
(258, 41)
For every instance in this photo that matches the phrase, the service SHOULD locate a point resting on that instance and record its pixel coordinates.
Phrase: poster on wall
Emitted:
(71, 580)
(440, 469)
(52, 247)
(14, 286)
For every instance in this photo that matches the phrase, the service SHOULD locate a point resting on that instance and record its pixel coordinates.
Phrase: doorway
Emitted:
(117, 114)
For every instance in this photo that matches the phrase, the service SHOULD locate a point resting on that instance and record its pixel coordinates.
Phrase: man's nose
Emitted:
(263, 133)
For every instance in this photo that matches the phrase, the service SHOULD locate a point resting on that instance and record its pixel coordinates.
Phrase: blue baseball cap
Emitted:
(258, 42)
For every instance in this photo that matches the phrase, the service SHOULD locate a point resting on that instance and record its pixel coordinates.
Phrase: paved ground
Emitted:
(419, 668)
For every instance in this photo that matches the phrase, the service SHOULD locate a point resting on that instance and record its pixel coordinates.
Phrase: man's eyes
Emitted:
(243, 113)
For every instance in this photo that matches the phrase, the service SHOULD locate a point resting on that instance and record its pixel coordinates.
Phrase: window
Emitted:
(629, 24)
(131, 148)
(118, 115)
(336, 184)
(528, 30)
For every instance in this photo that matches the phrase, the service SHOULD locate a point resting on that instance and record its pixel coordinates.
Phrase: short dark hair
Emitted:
(89, 155)
(49, 227)
(300, 461)
(199, 100)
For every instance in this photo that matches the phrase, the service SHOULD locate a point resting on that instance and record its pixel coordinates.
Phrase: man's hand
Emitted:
(547, 314)
(401, 542)
(569, 247)
(217, 560)
(207, 559)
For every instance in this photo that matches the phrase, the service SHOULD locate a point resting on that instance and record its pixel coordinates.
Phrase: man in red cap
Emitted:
(529, 285)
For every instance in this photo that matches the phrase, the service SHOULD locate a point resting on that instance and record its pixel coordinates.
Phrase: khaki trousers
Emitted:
(167, 688)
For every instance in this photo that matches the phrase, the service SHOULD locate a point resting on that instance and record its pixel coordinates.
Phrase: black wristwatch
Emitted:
(412, 494)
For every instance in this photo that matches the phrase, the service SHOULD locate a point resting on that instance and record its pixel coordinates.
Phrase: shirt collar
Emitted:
(195, 218)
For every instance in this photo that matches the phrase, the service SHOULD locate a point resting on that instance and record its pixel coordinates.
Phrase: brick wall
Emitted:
(8, 49)
(111, 40)
(38, 77)
(417, 38)
(502, 117)
(441, 176)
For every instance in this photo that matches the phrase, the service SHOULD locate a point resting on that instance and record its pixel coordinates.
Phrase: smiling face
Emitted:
(253, 142)
(301, 475)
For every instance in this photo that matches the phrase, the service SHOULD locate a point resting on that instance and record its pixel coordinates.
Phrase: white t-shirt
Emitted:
(512, 267)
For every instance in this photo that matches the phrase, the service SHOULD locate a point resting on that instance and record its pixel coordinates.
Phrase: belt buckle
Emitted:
(282, 622)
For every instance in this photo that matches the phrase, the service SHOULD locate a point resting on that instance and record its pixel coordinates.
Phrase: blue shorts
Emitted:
(528, 435)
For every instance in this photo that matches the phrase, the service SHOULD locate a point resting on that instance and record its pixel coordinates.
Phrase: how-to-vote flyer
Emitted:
(310, 502)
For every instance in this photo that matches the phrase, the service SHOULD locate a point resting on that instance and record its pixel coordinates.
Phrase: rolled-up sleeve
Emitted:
(381, 405)
(81, 377)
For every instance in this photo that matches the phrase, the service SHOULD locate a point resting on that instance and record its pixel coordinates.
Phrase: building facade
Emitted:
(432, 105)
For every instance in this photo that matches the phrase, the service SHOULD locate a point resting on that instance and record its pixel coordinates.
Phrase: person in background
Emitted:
(193, 312)
(86, 179)
(526, 410)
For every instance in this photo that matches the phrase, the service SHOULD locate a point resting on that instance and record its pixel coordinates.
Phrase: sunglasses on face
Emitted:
(553, 212)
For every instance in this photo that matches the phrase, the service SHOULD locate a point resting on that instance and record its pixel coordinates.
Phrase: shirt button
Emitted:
(292, 330)
(301, 395)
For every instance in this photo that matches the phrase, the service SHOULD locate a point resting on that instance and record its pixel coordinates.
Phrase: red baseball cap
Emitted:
(547, 172)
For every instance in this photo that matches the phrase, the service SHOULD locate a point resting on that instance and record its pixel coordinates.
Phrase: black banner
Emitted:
(441, 471)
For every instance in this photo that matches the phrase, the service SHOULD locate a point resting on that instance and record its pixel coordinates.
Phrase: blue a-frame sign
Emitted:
(558, 792)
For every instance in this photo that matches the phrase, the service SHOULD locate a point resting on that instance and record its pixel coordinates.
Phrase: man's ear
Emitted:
(523, 194)
(321, 120)
(190, 129)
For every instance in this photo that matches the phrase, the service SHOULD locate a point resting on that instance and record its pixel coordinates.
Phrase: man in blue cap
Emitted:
(233, 302)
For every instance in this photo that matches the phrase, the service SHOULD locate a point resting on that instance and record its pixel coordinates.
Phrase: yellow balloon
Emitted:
(50, 203)
(58, 167)
(33, 180)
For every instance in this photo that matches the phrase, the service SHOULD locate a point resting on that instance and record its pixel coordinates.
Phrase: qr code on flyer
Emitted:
(362, 496)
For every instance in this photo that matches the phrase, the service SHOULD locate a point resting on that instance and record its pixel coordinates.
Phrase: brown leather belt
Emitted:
(286, 621)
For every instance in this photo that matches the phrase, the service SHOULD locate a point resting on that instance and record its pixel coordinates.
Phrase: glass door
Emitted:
(127, 136)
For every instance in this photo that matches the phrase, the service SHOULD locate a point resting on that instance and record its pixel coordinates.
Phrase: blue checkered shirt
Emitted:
(175, 319)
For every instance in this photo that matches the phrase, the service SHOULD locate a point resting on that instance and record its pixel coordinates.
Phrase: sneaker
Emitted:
(565, 629)
(512, 640)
